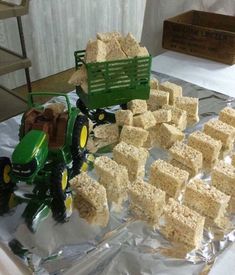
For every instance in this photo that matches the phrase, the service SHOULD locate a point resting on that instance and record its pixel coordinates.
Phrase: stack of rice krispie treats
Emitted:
(169, 193)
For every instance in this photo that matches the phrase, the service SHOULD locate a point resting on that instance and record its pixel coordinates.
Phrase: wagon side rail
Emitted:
(118, 74)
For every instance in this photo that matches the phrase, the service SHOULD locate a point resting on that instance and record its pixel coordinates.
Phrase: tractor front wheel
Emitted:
(61, 205)
(79, 142)
(6, 186)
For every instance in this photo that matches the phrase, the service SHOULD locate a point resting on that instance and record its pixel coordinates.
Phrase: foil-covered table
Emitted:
(125, 246)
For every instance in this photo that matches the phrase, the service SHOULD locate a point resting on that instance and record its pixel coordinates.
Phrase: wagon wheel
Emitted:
(123, 106)
(61, 205)
(6, 186)
(79, 142)
(101, 116)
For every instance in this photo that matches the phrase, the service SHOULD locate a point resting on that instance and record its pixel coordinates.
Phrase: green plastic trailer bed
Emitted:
(114, 82)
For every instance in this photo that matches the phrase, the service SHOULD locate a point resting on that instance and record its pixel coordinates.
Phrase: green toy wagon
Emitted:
(112, 83)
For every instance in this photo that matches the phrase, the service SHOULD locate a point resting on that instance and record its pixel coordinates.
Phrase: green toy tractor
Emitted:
(51, 150)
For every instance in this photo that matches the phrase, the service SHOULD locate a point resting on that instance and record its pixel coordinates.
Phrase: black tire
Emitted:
(82, 107)
(79, 142)
(123, 106)
(78, 150)
(101, 116)
(5, 163)
(78, 162)
(58, 192)
(6, 186)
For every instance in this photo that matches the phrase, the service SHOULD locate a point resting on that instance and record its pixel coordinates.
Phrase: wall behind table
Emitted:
(159, 10)
(54, 29)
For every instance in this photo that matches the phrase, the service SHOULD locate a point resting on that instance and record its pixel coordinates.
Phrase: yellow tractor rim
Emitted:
(83, 136)
(12, 202)
(84, 167)
(101, 117)
(6, 172)
(90, 157)
(69, 204)
(64, 179)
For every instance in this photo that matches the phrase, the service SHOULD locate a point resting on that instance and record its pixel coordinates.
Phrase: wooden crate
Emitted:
(201, 34)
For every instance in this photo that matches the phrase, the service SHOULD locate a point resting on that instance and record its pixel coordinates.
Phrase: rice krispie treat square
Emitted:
(187, 155)
(173, 90)
(183, 225)
(220, 131)
(124, 117)
(191, 172)
(169, 135)
(154, 83)
(146, 201)
(190, 105)
(179, 117)
(114, 50)
(134, 135)
(208, 146)
(233, 159)
(137, 106)
(143, 52)
(223, 178)
(157, 99)
(227, 115)
(95, 51)
(191, 120)
(107, 132)
(205, 199)
(132, 158)
(145, 120)
(114, 177)
(168, 178)
(162, 115)
(91, 199)
(107, 36)
(130, 45)
(153, 136)
(79, 76)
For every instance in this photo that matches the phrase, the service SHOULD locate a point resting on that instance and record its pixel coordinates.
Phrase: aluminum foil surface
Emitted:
(125, 246)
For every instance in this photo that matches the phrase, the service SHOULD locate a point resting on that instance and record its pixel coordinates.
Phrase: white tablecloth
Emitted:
(202, 72)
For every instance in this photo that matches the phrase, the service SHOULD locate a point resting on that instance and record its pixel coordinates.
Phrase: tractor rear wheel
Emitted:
(6, 186)
(80, 133)
(79, 142)
(61, 201)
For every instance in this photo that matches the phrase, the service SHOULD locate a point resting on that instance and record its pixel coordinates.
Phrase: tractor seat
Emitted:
(58, 139)
(52, 120)
(52, 111)
(30, 118)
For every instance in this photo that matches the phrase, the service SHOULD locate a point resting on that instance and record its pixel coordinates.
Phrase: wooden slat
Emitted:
(202, 34)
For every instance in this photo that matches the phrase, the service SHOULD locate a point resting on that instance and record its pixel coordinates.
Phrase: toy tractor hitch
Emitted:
(98, 116)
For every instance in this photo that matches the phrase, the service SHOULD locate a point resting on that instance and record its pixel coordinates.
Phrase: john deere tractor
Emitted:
(51, 150)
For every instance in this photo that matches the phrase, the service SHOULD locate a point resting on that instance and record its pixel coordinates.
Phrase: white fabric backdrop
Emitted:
(159, 10)
(54, 29)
